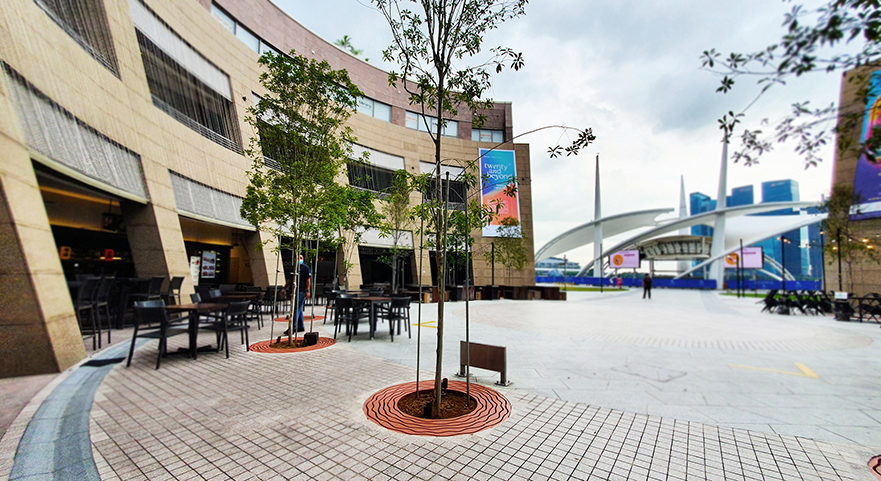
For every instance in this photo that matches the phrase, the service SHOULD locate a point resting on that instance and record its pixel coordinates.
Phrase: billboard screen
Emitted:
(752, 258)
(867, 183)
(624, 259)
(498, 173)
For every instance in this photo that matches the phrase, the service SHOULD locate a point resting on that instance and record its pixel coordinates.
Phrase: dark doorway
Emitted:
(456, 265)
(213, 262)
(376, 268)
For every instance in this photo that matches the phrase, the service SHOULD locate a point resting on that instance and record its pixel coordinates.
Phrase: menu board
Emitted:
(209, 264)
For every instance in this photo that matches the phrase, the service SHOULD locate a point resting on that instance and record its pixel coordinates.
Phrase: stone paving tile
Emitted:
(291, 416)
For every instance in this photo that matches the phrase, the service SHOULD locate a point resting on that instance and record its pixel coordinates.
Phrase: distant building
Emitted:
(699, 202)
(556, 267)
(742, 195)
(783, 191)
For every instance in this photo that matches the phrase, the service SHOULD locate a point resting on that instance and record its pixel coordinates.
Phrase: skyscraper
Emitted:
(742, 195)
(699, 202)
(783, 191)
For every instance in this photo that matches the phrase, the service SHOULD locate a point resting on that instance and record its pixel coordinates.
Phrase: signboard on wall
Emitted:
(867, 182)
(752, 258)
(195, 268)
(624, 259)
(498, 174)
(209, 264)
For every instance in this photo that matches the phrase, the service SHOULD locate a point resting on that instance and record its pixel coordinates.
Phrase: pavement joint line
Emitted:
(803, 370)
(56, 440)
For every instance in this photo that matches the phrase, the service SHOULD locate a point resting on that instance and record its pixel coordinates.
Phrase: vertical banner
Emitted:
(498, 172)
(867, 182)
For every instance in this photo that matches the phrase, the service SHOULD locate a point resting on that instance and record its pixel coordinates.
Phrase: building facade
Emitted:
(858, 113)
(122, 129)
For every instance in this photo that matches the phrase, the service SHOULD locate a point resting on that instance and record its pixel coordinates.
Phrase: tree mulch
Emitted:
(453, 404)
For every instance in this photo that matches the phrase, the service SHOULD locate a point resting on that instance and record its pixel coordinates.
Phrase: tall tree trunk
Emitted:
(440, 238)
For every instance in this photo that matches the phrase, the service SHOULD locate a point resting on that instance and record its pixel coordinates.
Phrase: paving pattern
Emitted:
(382, 408)
(301, 415)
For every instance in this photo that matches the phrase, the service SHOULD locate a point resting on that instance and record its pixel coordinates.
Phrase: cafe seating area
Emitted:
(154, 309)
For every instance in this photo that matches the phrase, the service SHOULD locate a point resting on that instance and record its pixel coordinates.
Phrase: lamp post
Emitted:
(838, 249)
(823, 260)
(783, 240)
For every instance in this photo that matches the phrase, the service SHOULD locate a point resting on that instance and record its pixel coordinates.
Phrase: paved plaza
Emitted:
(689, 385)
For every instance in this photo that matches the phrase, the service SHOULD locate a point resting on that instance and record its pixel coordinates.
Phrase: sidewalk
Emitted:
(590, 375)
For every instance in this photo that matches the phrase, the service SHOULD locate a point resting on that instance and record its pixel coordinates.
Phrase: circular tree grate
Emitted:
(264, 346)
(382, 408)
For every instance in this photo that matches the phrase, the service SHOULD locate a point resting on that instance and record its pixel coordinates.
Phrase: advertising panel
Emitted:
(498, 173)
(624, 259)
(867, 183)
(209, 264)
(752, 258)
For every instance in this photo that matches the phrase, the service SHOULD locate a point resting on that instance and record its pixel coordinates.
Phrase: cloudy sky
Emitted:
(630, 70)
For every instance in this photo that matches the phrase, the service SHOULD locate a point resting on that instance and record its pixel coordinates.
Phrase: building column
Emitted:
(262, 248)
(39, 332)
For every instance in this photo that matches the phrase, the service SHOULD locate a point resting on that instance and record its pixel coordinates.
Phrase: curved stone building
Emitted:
(121, 136)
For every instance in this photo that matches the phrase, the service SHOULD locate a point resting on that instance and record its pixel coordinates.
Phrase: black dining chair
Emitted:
(152, 312)
(85, 310)
(398, 310)
(101, 305)
(235, 318)
(174, 286)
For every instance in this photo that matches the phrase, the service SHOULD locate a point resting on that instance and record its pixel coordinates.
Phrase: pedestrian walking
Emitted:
(647, 286)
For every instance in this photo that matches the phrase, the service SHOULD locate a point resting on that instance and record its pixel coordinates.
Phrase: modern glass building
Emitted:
(699, 202)
(792, 249)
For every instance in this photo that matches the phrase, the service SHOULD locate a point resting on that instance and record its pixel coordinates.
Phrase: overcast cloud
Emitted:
(630, 70)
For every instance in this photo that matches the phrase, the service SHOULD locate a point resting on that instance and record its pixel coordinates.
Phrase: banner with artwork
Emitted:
(498, 171)
(867, 182)
(624, 259)
(749, 258)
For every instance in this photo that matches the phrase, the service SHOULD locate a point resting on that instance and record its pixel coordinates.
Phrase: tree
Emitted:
(838, 36)
(427, 44)
(396, 212)
(846, 243)
(432, 45)
(510, 248)
(345, 43)
(302, 146)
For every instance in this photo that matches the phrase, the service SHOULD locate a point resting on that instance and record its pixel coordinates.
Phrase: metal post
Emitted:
(467, 317)
(823, 261)
(314, 278)
(740, 287)
(273, 312)
(419, 306)
(782, 265)
(838, 245)
(493, 263)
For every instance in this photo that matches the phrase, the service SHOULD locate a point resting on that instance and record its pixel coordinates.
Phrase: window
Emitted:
(186, 98)
(265, 47)
(487, 135)
(223, 18)
(375, 109)
(86, 22)
(417, 122)
(248, 38)
(241, 32)
(370, 177)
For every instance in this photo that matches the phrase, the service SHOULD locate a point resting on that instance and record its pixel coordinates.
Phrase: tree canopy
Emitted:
(839, 35)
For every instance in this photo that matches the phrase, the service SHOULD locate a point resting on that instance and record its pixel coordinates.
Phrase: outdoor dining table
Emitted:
(373, 301)
(244, 296)
(194, 309)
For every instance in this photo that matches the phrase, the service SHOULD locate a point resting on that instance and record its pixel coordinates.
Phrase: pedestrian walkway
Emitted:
(590, 377)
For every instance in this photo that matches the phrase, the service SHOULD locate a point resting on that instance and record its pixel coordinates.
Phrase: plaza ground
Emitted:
(688, 385)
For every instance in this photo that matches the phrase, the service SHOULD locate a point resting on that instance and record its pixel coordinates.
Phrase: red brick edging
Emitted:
(264, 346)
(382, 409)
